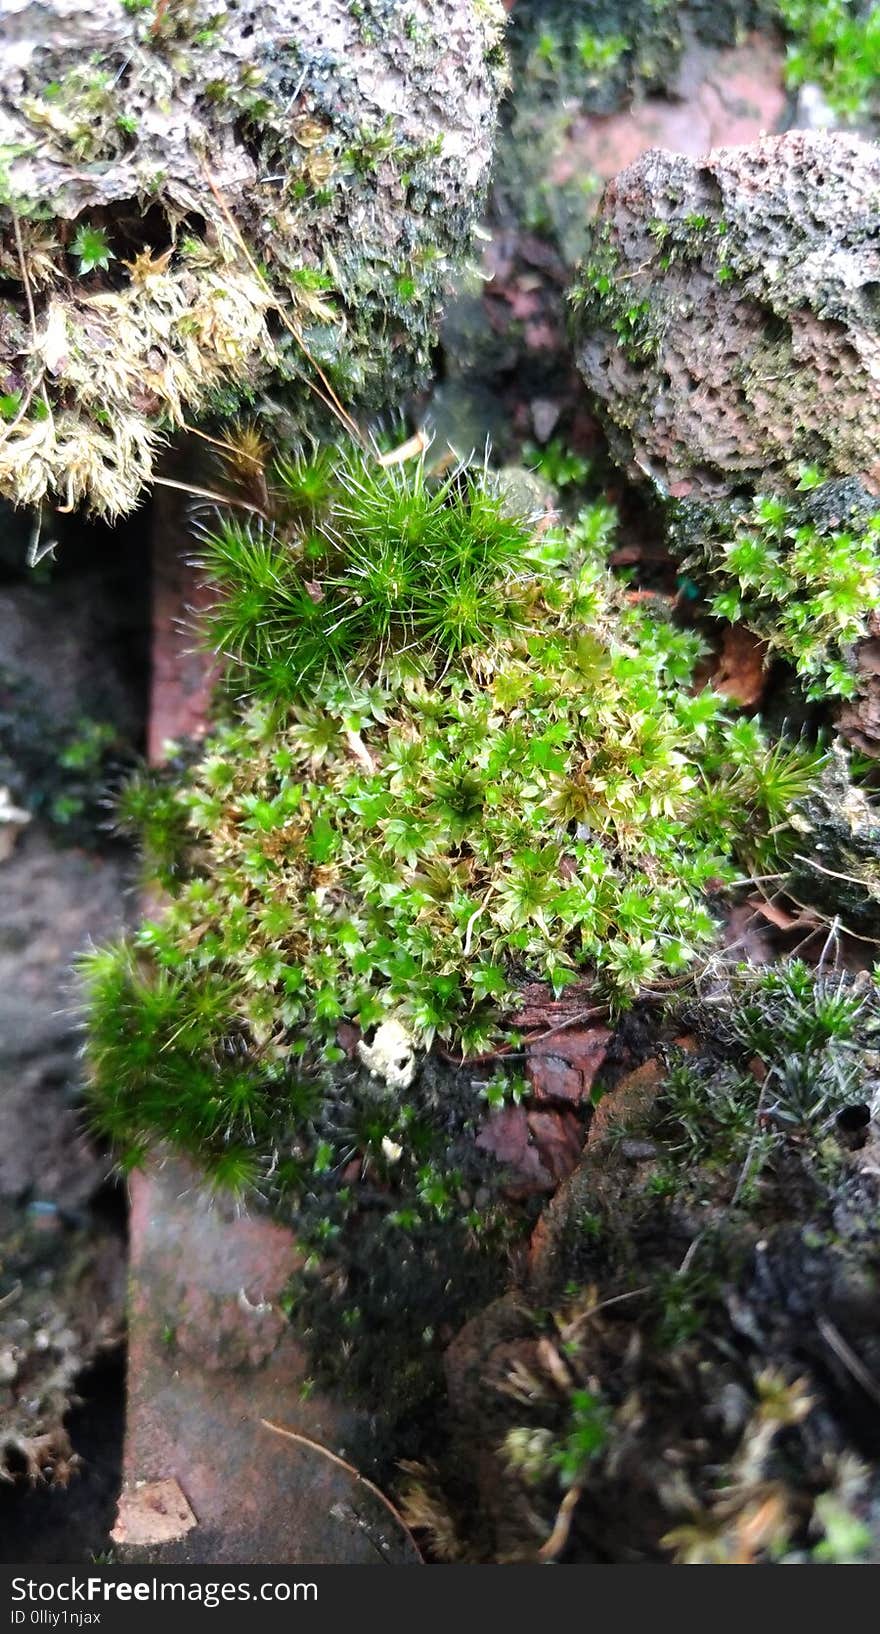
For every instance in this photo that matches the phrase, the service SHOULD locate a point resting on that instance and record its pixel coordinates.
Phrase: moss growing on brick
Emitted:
(444, 811)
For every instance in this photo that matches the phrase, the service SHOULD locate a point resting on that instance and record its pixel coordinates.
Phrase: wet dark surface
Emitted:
(47, 1525)
(73, 670)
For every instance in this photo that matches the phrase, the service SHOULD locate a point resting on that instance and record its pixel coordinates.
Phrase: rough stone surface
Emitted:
(729, 315)
(281, 187)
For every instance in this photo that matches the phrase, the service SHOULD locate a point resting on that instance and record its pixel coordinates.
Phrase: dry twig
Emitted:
(342, 1463)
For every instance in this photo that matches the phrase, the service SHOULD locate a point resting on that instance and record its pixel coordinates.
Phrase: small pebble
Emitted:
(638, 1151)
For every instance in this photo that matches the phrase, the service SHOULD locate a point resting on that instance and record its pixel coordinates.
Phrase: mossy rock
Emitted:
(209, 202)
(728, 327)
(728, 320)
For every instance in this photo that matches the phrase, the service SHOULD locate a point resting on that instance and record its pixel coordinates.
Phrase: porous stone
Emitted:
(729, 315)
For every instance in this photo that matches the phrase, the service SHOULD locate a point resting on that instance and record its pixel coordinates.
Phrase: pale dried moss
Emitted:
(127, 364)
(329, 160)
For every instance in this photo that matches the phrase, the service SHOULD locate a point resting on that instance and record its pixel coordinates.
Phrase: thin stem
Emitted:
(331, 398)
(207, 493)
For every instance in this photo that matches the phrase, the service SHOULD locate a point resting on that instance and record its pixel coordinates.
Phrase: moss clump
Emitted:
(802, 573)
(360, 562)
(439, 815)
(125, 364)
(601, 296)
(814, 1041)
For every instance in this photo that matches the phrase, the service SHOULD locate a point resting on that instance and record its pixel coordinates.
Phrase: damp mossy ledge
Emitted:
(498, 772)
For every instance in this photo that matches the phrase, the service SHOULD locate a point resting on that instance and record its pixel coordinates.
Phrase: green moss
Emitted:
(78, 115)
(472, 765)
(91, 248)
(778, 1054)
(803, 574)
(389, 561)
(604, 298)
(567, 1452)
(835, 44)
(559, 466)
(597, 52)
(696, 1293)
(61, 769)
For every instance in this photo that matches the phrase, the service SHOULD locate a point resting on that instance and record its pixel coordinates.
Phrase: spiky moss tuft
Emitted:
(801, 572)
(679, 1304)
(214, 206)
(438, 814)
(359, 564)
